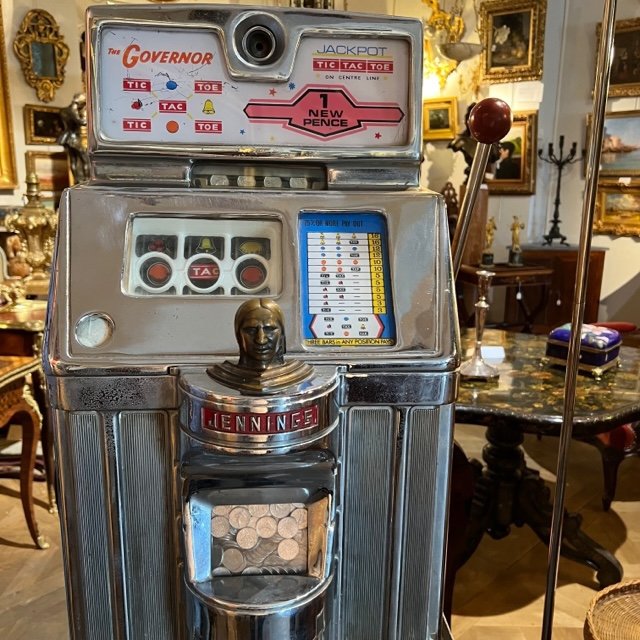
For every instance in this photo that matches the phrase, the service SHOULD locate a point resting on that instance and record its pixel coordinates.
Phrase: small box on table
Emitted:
(599, 348)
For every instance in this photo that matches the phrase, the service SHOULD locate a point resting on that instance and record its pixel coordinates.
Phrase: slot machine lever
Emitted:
(489, 121)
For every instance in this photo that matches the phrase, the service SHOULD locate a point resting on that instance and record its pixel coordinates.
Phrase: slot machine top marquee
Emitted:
(232, 81)
(240, 153)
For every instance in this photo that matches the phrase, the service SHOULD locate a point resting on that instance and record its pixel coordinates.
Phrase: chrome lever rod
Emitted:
(603, 72)
(489, 121)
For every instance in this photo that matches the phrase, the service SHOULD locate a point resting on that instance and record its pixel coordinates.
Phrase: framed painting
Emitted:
(620, 156)
(42, 125)
(512, 34)
(514, 173)
(51, 167)
(625, 68)
(8, 170)
(439, 118)
(617, 210)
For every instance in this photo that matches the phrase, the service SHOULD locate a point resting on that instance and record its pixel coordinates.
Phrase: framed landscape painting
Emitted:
(617, 210)
(620, 156)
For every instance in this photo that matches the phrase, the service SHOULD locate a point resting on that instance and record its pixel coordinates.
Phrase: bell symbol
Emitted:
(208, 107)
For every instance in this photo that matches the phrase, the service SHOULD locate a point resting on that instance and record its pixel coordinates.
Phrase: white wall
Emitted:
(569, 62)
(66, 15)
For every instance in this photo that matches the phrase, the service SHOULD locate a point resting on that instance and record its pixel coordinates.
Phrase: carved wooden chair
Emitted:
(619, 443)
(17, 406)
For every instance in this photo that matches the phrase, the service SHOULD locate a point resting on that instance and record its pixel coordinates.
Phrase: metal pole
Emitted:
(603, 71)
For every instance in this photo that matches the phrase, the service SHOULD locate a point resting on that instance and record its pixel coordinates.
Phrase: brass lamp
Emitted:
(443, 50)
(36, 227)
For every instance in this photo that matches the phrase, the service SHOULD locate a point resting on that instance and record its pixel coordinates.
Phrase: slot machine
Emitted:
(251, 347)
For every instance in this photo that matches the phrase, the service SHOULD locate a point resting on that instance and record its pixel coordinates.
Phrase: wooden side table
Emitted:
(508, 276)
(17, 405)
(21, 333)
(558, 306)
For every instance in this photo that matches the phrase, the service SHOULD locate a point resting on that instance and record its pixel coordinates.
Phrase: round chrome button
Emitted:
(94, 329)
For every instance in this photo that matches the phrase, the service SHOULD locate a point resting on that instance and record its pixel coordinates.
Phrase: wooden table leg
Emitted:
(508, 492)
(39, 392)
(28, 416)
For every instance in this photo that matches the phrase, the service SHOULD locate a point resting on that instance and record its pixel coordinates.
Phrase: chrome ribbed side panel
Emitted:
(427, 445)
(150, 556)
(87, 528)
(369, 467)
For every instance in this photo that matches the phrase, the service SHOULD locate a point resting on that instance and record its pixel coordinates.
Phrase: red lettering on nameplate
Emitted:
(208, 126)
(207, 86)
(324, 112)
(136, 84)
(173, 106)
(259, 423)
(136, 124)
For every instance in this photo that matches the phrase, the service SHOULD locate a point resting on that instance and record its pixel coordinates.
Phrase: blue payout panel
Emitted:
(345, 280)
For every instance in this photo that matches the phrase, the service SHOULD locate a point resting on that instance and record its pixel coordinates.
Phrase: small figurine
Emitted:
(73, 138)
(261, 368)
(490, 232)
(17, 266)
(515, 251)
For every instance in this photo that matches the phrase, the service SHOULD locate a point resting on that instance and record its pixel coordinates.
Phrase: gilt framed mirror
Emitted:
(42, 52)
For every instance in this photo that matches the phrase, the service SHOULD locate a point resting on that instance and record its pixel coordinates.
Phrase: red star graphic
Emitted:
(378, 135)
(272, 92)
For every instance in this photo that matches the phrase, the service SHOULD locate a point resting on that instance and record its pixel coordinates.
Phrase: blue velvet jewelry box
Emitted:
(599, 348)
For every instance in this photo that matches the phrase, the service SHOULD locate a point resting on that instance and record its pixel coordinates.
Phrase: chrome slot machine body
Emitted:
(246, 154)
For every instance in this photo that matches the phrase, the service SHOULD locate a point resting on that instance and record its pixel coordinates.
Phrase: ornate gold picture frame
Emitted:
(439, 118)
(617, 210)
(512, 33)
(8, 171)
(514, 173)
(626, 58)
(620, 154)
(42, 125)
(42, 52)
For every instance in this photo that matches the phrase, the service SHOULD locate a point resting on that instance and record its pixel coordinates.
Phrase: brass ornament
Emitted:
(42, 53)
(36, 226)
(261, 369)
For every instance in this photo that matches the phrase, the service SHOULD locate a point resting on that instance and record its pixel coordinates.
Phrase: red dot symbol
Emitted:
(252, 276)
(355, 262)
(339, 261)
(323, 269)
(159, 273)
(346, 333)
(172, 126)
(339, 269)
(323, 262)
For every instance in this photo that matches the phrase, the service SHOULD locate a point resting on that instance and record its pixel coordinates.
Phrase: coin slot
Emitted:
(260, 39)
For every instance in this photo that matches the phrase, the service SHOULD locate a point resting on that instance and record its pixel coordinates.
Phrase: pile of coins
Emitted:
(259, 539)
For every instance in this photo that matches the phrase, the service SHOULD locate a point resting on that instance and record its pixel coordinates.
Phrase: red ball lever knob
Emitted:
(490, 120)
